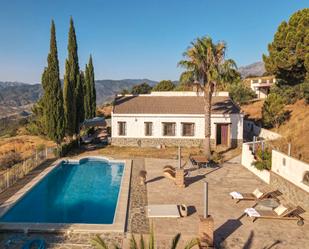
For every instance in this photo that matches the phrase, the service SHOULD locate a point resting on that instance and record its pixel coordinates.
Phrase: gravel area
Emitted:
(138, 221)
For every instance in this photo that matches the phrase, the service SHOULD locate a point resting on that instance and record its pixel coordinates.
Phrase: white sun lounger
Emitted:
(163, 211)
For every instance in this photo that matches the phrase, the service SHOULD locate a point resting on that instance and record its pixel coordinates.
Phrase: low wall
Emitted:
(291, 192)
(251, 129)
(154, 142)
(290, 169)
(247, 159)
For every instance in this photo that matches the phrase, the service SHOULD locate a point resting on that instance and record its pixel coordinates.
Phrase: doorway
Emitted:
(222, 136)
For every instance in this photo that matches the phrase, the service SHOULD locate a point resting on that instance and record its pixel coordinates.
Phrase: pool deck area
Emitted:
(232, 228)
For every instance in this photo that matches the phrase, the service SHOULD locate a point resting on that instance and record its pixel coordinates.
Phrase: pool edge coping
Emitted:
(119, 220)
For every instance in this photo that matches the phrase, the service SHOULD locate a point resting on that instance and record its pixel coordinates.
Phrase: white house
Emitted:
(261, 85)
(174, 118)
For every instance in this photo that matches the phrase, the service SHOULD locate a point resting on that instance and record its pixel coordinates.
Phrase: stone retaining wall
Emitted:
(291, 192)
(154, 142)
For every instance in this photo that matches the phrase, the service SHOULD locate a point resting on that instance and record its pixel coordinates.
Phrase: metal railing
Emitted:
(18, 171)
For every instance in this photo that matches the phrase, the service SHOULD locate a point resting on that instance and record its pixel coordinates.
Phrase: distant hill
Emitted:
(14, 96)
(19, 94)
(256, 69)
(106, 89)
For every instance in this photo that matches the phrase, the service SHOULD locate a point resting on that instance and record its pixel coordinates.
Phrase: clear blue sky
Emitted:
(134, 38)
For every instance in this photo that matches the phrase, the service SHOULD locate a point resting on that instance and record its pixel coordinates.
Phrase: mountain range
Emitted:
(254, 69)
(17, 96)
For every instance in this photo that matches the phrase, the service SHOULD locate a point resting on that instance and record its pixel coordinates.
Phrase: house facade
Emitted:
(261, 85)
(174, 118)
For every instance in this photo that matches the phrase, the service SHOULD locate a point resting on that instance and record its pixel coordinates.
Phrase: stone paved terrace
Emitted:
(232, 229)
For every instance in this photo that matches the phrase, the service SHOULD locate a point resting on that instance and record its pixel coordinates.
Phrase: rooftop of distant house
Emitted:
(269, 77)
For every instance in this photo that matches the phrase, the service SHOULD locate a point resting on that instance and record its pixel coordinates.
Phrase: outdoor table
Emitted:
(200, 161)
(267, 204)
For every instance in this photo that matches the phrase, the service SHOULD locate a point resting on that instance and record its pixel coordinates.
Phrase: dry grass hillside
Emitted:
(294, 131)
(23, 144)
(253, 110)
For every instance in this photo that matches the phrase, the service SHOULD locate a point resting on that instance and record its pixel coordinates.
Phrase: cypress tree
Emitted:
(80, 114)
(87, 94)
(53, 98)
(93, 105)
(71, 79)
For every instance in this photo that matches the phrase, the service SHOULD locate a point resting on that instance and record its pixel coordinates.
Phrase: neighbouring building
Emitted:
(261, 85)
(174, 118)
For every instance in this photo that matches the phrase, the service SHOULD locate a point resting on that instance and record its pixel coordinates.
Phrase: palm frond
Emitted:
(151, 242)
(193, 243)
(133, 244)
(98, 242)
(142, 243)
(175, 241)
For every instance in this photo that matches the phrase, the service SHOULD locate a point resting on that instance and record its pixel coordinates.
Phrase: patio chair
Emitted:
(170, 172)
(280, 213)
(254, 196)
(168, 167)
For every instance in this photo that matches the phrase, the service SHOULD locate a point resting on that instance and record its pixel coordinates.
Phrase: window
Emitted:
(122, 128)
(148, 128)
(255, 81)
(169, 129)
(188, 129)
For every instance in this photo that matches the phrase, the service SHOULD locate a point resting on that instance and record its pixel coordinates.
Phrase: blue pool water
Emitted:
(72, 193)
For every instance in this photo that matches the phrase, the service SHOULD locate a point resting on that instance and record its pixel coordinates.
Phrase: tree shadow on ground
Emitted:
(190, 180)
(225, 230)
(158, 178)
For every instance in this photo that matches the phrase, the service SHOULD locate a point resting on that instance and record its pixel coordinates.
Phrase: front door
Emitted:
(222, 137)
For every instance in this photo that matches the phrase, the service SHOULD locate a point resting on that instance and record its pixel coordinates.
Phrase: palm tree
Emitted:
(228, 74)
(205, 66)
(100, 243)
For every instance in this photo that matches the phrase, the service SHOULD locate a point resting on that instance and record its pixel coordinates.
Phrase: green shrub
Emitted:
(10, 159)
(263, 159)
(40, 147)
(305, 90)
(241, 93)
(164, 85)
(273, 113)
(289, 94)
(65, 148)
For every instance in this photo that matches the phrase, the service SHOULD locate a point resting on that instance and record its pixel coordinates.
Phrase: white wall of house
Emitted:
(135, 125)
(289, 168)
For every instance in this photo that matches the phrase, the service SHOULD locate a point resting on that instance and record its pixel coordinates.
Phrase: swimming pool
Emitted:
(83, 192)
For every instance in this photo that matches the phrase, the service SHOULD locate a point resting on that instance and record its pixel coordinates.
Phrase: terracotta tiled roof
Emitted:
(172, 105)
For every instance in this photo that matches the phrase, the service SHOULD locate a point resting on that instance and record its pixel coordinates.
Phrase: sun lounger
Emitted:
(279, 213)
(254, 196)
(166, 211)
